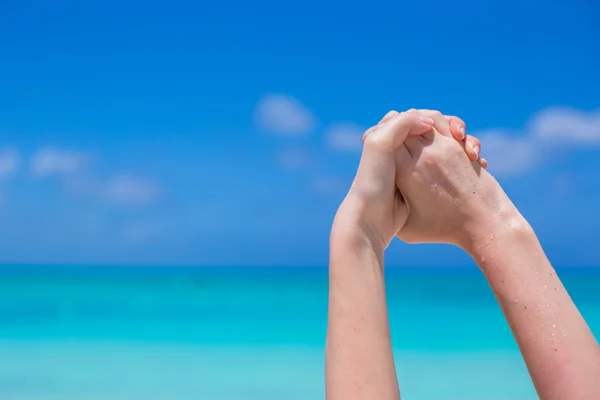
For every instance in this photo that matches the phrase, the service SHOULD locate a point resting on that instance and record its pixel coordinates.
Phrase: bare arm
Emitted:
(560, 351)
(359, 358)
(359, 362)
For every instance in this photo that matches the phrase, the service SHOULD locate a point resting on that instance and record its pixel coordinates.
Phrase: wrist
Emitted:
(495, 235)
(490, 214)
(352, 229)
(352, 247)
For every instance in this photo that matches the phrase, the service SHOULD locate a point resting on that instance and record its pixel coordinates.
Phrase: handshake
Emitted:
(415, 182)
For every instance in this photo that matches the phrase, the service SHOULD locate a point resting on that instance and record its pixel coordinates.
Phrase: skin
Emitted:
(439, 195)
(560, 351)
(359, 362)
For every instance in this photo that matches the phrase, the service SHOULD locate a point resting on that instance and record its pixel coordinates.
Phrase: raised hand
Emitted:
(415, 181)
(451, 199)
(374, 202)
(359, 361)
(373, 205)
(447, 195)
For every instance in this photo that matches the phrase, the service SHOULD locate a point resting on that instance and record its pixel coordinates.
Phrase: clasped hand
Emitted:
(420, 178)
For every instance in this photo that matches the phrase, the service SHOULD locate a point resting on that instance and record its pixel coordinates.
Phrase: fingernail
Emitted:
(426, 120)
(462, 131)
(476, 149)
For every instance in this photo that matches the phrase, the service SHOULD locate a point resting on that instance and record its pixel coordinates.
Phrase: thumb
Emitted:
(394, 132)
(376, 170)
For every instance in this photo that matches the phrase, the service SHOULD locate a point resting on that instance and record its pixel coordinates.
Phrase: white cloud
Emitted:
(508, 154)
(283, 115)
(127, 189)
(50, 161)
(512, 153)
(567, 125)
(120, 189)
(10, 161)
(345, 136)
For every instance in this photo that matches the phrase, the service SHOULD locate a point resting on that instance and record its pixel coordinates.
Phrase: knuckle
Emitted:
(369, 140)
(435, 114)
(368, 132)
(377, 142)
(389, 115)
(472, 141)
(455, 119)
(458, 124)
(429, 157)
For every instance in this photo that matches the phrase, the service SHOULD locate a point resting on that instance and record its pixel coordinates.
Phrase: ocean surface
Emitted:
(79, 333)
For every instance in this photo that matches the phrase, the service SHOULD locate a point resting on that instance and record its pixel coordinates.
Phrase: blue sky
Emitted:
(154, 133)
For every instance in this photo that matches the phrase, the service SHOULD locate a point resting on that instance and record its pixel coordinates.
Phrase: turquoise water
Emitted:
(247, 333)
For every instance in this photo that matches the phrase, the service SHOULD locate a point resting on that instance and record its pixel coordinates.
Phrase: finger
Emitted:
(483, 162)
(472, 147)
(369, 131)
(392, 134)
(439, 121)
(388, 116)
(457, 127)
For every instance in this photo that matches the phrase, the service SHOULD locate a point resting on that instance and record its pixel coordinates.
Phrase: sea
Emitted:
(248, 333)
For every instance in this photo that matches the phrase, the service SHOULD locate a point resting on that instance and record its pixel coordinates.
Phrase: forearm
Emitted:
(359, 360)
(561, 354)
